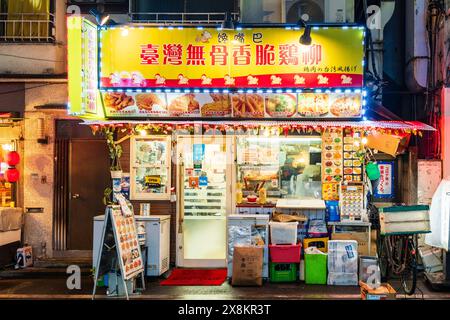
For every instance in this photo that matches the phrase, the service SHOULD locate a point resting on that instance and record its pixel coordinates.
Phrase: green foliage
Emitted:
(107, 200)
(115, 150)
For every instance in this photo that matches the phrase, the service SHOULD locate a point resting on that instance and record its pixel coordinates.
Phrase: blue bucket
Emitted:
(333, 211)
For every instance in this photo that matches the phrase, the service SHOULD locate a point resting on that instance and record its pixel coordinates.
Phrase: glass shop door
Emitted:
(204, 198)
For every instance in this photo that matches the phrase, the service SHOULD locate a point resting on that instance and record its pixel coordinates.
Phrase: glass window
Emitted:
(6, 188)
(150, 168)
(287, 167)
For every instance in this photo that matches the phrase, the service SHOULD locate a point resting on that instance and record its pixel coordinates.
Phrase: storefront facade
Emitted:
(215, 123)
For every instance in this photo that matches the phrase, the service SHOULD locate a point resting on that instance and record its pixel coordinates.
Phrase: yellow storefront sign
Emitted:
(152, 57)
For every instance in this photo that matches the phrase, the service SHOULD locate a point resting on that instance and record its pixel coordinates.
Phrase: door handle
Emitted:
(75, 196)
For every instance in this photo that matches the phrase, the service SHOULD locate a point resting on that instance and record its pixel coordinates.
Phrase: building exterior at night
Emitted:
(65, 168)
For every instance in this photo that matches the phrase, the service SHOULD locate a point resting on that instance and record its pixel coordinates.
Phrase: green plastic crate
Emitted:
(316, 268)
(283, 272)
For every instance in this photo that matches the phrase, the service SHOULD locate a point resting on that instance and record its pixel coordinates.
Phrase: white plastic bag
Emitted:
(342, 279)
(439, 217)
(343, 256)
(313, 250)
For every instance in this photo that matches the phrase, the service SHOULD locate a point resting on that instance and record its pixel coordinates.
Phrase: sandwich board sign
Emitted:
(119, 245)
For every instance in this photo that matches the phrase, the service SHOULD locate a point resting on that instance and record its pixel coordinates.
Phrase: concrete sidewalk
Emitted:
(55, 288)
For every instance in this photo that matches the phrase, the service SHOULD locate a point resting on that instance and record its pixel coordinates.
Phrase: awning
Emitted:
(367, 125)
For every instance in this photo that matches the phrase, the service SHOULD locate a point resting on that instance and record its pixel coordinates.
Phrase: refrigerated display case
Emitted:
(150, 167)
(288, 167)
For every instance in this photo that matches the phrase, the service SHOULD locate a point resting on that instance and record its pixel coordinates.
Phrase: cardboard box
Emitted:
(388, 143)
(370, 294)
(247, 266)
(361, 238)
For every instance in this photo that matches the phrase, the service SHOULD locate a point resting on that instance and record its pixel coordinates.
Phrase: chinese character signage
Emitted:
(385, 188)
(151, 57)
(236, 105)
(83, 70)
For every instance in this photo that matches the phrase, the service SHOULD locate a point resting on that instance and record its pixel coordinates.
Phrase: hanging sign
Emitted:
(177, 57)
(82, 50)
(385, 188)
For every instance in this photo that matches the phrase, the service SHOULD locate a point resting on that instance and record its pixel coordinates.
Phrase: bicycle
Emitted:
(398, 254)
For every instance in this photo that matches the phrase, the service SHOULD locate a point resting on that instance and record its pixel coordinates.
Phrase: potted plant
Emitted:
(115, 152)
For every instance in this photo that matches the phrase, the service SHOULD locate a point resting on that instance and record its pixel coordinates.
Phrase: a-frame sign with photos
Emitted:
(119, 246)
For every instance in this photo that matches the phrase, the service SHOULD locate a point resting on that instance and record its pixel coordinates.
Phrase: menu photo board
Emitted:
(128, 249)
(233, 105)
(332, 164)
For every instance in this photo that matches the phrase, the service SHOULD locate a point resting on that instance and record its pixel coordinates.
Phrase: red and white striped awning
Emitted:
(368, 125)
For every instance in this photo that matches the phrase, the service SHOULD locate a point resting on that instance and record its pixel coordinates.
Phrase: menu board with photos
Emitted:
(128, 248)
(353, 167)
(330, 191)
(236, 105)
(332, 156)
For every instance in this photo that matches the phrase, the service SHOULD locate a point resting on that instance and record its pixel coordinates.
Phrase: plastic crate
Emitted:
(319, 243)
(316, 268)
(285, 253)
(283, 272)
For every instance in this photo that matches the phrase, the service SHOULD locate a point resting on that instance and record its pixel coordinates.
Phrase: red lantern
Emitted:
(12, 175)
(12, 158)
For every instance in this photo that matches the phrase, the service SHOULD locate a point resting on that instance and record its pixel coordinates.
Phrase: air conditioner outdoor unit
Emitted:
(320, 11)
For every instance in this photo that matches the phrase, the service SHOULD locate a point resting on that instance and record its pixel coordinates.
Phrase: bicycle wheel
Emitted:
(382, 258)
(409, 276)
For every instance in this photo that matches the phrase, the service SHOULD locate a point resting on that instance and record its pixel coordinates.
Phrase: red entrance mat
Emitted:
(195, 277)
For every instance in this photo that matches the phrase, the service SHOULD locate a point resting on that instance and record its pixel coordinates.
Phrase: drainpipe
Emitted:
(416, 53)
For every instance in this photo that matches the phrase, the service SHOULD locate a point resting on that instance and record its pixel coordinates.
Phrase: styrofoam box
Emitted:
(283, 232)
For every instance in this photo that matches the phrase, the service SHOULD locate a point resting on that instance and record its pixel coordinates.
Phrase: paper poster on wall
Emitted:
(385, 188)
(198, 154)
(203, 181)
(429, 175)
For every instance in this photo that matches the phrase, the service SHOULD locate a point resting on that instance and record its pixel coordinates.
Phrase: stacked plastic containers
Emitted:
(285, 252)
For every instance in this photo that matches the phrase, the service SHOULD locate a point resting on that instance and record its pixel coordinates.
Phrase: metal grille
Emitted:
(27, 27)
(61, 191)
(165, 263)
(209, 18)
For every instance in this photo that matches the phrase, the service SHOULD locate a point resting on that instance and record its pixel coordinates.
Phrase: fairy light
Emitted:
(7, 147)
(364, 141)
